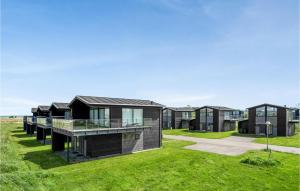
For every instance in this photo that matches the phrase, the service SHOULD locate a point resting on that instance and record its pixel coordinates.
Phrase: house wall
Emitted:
(216, 120)
(42, 113)
(221, 121)
(132, 142)
(282, 122)
(80, 110)
(197, 120)
(173, 119)
(56, 112)
(101, 145)
(251, 120)
(178, 119)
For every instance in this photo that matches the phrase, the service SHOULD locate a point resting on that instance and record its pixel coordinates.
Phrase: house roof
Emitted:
(267, 104)
(43, 107)
(61, 106)
(33, 110)
(94, 101)
(222, 108)
(182, 109)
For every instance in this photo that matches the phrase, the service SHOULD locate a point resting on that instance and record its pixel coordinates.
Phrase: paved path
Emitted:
(229, 146)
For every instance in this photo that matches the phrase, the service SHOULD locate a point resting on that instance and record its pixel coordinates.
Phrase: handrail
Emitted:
(86, 124)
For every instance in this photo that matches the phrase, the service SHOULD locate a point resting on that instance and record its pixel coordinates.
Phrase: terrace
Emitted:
(44, 122)
(80, 127)
(31, 120)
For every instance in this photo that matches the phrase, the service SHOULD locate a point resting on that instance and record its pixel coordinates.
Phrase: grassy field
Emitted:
(208, 135)
(28, 165)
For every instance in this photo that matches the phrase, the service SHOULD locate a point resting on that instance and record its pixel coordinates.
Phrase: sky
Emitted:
(235, 53)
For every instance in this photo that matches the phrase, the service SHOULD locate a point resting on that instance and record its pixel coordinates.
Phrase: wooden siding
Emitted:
(152, 136)
(79, 110)
(58, 141)
(101, 145)
(282, 124)
(216, 120)
(251, 120)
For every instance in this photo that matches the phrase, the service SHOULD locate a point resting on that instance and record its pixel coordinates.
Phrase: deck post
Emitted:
(44, 136)
(68, 149)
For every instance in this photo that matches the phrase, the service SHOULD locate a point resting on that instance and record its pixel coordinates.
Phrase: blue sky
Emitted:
(175, 52)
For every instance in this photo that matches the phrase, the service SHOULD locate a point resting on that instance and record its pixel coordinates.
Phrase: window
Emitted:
(167, 118)
(67, 115)
(186, 115)
(100, 116)
(132, 117)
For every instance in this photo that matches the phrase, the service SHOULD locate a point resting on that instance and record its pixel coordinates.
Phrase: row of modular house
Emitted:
(206, 118)
(99, 126)
(219, 119)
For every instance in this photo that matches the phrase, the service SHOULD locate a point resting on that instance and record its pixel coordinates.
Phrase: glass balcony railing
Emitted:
(44, 121)
(86, 124)
(31, 119)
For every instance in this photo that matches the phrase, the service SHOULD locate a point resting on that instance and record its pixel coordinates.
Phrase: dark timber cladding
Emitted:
(212, 118)
(280, 117)
(178, 117)
(43, 110)
(41, 130)
(117, 139)
(58, 109)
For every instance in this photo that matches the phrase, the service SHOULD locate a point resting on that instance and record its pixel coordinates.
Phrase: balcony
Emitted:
(31, 119)
(44, 122)
(104, 126)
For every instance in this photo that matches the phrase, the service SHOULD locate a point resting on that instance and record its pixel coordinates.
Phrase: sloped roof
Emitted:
(94, 101)
(59, 105)
(33, 110)
(222, 108)
(267, 104)
(182, 109)
(43, 107)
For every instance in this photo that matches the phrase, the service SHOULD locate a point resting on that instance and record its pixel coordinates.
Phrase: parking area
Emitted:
(231, 146)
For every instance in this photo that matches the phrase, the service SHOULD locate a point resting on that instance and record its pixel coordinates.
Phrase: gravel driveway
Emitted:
(232, 146)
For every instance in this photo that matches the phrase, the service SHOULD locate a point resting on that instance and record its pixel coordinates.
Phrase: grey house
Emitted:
(178, 117)
(281, 118)
(216, 119)
(102, 126)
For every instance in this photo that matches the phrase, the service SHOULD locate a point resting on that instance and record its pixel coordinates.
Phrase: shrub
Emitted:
(258, 161)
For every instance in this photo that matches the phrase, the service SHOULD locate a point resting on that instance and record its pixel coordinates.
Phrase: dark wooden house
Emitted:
(43, 123)
(30, 122)
(178, 117)
(215, 119)
(102, 126)
(60, 110)
(281, 118)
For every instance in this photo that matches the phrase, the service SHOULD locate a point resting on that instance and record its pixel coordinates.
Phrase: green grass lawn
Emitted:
(208, 135)
(292, 141)
(28, 165)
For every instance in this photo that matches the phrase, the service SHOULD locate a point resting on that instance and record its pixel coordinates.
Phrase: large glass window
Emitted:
(272, 117)
(260, 115)
(203, 119)
(132, 117)
(167, 118)
(100, 116)
(210, 119)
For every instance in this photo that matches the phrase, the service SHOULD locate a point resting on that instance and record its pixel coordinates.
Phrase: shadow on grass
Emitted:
(21, 135)
(18, 131)
(46, 159)
(30, 143)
